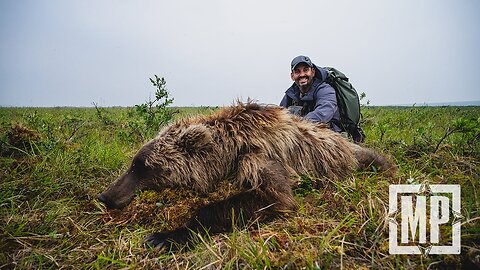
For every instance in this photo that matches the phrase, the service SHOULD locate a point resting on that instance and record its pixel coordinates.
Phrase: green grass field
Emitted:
(54, 162)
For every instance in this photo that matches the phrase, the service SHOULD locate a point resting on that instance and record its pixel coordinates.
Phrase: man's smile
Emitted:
(303, 80)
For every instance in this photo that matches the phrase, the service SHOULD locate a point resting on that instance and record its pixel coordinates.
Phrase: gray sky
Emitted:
(73, 53)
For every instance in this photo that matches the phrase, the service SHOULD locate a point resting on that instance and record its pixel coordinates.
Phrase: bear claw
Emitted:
(156, 240)
(162, 239)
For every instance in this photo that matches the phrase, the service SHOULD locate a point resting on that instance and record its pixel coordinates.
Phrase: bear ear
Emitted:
(195, 138)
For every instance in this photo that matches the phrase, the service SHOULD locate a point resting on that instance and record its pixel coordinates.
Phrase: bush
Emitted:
(143, 120)
(147, 118)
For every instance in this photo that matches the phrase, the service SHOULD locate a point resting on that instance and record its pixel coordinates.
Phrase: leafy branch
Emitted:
(470, 127)
(147, 118)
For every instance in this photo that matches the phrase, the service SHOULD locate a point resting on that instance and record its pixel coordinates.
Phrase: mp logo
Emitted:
(417, 209)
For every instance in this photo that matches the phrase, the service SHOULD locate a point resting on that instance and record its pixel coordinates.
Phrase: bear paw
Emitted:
(159, 240)
(170, 240)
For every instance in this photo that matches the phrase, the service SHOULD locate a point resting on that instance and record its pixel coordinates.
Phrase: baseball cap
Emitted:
(301, 59)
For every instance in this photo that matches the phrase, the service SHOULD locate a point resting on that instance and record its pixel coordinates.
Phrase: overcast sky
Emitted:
(73, 53)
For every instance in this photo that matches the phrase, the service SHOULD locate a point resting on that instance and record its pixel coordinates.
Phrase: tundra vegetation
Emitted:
(55, 161)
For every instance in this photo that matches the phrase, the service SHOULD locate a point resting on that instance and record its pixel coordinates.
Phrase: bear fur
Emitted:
(259, 148)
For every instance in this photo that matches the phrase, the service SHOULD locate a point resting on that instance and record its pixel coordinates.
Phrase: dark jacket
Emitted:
(320, 102)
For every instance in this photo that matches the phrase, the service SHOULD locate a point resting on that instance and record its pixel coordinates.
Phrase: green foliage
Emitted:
(147, 118)
(469, 128)
(363, 102)
(306, 185)
(383, 128)
(143, 121)
(103, 115)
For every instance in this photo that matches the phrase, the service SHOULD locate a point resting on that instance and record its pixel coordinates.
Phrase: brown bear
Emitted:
(257, 147)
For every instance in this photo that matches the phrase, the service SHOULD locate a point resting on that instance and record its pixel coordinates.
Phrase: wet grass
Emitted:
(54, 161)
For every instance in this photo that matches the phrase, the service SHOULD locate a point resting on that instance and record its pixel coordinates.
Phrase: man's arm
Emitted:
(283, 103)
(325, 105)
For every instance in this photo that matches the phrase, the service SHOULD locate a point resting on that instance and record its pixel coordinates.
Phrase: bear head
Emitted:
(163, 162)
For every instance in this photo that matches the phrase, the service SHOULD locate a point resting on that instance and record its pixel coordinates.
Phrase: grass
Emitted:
(54, 161)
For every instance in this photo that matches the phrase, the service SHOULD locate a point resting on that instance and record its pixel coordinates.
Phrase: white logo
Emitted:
(444, 208)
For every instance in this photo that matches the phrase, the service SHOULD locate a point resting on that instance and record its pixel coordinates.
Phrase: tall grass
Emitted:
(54, 161)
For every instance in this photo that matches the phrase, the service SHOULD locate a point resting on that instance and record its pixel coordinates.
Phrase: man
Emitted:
(310, 96)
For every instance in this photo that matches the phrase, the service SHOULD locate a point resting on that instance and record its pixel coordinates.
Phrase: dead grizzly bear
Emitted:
(256, 147)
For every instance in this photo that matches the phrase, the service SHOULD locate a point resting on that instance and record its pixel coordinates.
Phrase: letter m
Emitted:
(413, 219)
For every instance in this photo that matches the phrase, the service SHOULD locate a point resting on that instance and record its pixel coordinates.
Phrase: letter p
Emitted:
(439, 214)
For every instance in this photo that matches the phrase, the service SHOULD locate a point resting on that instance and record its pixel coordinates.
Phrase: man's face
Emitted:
(303, 76)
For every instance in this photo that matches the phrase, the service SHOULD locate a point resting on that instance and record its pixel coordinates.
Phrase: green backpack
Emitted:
(348, 103)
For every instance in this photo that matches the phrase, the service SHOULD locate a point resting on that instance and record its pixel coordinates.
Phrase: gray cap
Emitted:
(301, 59)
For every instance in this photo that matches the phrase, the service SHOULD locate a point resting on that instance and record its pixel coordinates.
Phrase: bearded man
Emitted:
(310, 96)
